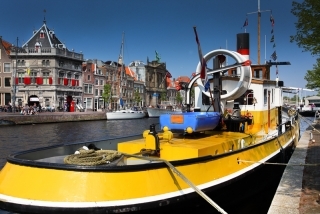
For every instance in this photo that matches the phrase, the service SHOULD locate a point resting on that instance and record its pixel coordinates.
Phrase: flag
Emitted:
(245, 23)
(28, 71)
(271, 20)
(272, 38)
(277, 70)
(207, 86)
(203, 72)
(274, 56)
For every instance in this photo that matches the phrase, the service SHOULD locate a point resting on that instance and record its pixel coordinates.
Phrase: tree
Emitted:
(308, 35)
(313, 77)
(308, 25)
(179, 98)
(106, 95)
(137, 98)
(163, 96)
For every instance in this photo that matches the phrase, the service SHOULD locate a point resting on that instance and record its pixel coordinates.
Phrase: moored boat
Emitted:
(126, 114)
(164, 108)
(221, 148)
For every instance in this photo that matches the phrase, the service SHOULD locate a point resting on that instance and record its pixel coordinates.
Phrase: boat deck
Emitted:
(197, 145)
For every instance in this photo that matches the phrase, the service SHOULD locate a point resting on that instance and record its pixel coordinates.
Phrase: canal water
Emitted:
(23, 137)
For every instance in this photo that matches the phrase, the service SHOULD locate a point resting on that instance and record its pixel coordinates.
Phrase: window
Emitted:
(258, 73)
(76, 77)
(46, 63)
(265, 96)
(61, 63)
(0, 84)
(21, 63)
(33, 76)
(21, 77)
(7, 98)
(6, 67)
(88, 77)
(89, 103)
(41, 34)
(88, 88)
(60, 80)
(101, 82)
(69, 78)
(101, 92)
(46, 78)
(96, 92)
(7, 82)
(96, 82)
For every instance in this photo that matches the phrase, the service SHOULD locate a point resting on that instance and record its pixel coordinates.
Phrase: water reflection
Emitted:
(22, 137)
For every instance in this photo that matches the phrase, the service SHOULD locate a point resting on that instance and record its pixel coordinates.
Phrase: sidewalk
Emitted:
(299, 188)
(10, 118)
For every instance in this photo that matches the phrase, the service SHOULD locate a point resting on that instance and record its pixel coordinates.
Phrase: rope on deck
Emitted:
(92, 157)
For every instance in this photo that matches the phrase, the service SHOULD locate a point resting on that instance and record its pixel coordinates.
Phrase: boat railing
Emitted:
(283, 127)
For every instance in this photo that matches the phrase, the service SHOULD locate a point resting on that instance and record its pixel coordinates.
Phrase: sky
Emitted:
(95, 27)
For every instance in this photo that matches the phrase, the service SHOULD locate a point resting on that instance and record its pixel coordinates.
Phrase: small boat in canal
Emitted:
(218, 152)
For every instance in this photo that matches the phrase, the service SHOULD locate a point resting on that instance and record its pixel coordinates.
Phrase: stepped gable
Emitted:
(44, 38)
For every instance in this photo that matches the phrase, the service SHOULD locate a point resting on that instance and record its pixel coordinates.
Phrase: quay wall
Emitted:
(56, 117)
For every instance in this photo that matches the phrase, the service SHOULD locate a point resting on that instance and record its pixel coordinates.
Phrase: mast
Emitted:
(259, 17)
(121, 61)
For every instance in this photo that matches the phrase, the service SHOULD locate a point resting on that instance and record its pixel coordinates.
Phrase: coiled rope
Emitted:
(292, 112)
(92, 157)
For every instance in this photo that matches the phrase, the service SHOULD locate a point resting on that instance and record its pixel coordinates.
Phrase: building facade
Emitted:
(5, 73)
(46, 73)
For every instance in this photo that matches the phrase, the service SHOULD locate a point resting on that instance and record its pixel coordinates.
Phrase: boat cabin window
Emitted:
(265, 96)
(246, 98)
(258, 73)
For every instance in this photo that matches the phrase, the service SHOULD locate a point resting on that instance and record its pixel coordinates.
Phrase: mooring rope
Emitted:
(283, 164)
(310, 124)
(184, 178)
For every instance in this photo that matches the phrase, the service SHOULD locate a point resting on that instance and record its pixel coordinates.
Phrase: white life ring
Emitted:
(245, 74)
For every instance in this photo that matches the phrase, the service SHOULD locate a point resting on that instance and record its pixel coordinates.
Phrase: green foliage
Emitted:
(136, 97)
(106, 95)
(179, 98)
(308, 35)
(313, 77)
(163, 96)
(307, 25)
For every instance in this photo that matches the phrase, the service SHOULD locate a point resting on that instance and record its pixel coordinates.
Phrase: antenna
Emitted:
(44, 19)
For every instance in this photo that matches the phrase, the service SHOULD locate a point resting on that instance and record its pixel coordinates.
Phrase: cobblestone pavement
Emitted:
(310, 195)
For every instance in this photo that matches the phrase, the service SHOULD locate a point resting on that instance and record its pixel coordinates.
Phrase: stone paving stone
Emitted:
(299, 188)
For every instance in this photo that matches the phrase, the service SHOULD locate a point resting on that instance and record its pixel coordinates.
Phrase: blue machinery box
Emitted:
(197, 121)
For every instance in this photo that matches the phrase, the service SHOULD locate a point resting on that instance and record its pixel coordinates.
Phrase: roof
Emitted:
(7, 46)
(130, 73)
(313, 98)
(45, 38)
